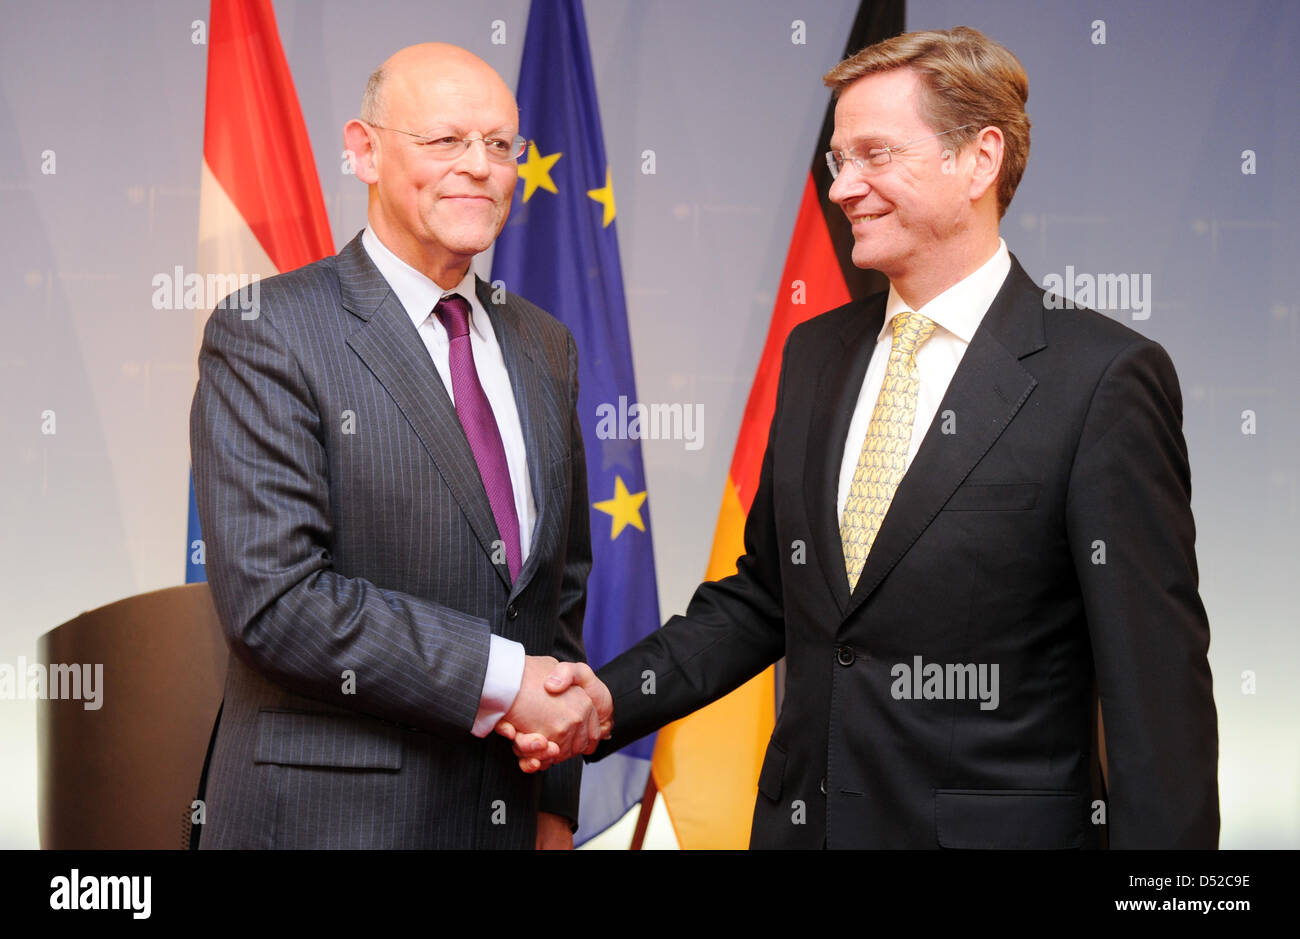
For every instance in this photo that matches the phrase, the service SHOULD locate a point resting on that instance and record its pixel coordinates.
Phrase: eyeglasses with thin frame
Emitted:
(450, 147)
(877, 158)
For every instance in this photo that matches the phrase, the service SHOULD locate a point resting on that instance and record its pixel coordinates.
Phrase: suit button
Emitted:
(844, 655)
(822, 785)
(512, 612)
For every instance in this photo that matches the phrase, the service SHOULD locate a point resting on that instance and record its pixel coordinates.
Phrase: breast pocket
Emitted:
(558, 474)
(993, 497)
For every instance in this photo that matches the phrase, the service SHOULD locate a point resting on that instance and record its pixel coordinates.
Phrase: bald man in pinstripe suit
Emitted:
(391, 482)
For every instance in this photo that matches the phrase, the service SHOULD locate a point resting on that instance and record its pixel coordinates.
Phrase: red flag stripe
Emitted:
(255, 140)
(813, 262)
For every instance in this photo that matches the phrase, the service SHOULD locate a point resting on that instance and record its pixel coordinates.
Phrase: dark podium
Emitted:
(125, 775)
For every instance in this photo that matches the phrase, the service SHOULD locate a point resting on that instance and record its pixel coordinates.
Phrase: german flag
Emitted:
(707, 765)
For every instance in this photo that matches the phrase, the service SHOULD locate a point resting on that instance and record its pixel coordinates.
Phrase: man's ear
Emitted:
(987, 149)
(360, 144)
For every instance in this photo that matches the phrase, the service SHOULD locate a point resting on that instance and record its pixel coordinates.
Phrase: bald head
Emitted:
(404, 72)
(435, 207)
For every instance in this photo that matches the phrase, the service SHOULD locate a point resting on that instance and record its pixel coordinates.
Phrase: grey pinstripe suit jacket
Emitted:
(349, 548)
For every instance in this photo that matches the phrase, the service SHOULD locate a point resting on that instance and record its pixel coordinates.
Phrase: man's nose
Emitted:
(849, 184)
(474, 160)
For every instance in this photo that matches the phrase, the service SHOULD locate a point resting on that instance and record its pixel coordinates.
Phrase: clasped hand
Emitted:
(562, 709)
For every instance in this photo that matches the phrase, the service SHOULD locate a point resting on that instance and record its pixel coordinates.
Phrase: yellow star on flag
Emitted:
(624, 509)
(605, 197)
(536, 171)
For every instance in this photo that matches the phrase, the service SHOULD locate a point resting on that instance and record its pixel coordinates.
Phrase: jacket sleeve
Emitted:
(1131, 532)
(733, 628)
(260, 480)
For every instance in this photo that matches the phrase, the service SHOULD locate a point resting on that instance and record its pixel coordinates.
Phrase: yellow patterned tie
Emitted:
(884, 451)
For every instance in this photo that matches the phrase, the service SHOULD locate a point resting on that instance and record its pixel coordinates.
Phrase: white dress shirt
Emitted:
(418, 296)
(957, 312)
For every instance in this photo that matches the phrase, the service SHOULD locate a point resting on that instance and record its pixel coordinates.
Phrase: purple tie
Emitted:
(480, 425)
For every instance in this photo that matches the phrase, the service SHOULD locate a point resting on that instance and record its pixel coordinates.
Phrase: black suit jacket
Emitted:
(1043, 527)
(350, 551)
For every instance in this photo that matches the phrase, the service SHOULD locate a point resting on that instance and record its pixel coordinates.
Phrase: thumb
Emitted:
(561, 678)
(584, 677)
(569, 674)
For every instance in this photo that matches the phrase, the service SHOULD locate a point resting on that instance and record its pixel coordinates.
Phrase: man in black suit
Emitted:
(973, 510)
(390, 476)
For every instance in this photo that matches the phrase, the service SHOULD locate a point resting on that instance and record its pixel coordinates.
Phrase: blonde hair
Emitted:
(965, 78)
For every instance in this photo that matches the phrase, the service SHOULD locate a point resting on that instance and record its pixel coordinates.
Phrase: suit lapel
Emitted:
(392, 349)
(833, 405)
(531, 400)
(987, 390)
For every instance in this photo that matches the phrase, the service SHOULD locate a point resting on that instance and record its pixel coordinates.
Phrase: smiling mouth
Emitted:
(867, 218)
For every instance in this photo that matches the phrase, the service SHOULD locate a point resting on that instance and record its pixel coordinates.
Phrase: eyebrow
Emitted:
(862, 139)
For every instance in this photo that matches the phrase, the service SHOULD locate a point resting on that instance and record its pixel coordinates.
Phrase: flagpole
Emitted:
(643, 816)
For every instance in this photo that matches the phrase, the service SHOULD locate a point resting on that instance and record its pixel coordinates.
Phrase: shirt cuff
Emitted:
(505, 674)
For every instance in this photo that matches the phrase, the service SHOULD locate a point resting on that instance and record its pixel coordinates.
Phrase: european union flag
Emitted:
(560, 250)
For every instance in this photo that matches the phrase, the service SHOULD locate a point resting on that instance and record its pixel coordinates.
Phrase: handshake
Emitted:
(562, 709)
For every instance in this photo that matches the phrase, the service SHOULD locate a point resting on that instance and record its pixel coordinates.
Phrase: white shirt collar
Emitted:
(961, 307)
(416, 292)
